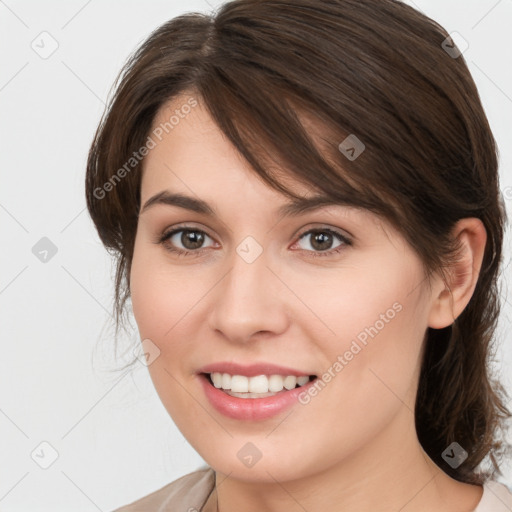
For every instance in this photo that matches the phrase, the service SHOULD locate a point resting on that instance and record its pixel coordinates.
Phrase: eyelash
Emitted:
(315, 254)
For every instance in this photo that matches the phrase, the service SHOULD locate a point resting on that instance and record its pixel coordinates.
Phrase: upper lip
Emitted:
(251, 370)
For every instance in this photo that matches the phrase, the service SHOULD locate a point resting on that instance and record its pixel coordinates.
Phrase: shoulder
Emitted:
(186, 493)
(497, 497)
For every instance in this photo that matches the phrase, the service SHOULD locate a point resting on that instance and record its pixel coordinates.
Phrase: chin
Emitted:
(259, 460)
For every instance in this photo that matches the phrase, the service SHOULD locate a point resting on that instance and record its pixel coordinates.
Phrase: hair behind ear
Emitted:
(458, 399)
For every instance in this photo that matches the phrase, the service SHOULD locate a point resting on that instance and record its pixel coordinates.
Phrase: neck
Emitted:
(391, 473)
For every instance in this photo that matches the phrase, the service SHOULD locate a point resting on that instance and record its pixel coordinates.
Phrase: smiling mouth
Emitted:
(259, 386)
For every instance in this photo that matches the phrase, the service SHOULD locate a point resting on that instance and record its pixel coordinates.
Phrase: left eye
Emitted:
(322, 239)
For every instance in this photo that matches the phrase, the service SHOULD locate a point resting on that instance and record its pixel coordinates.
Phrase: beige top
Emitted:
(195, 492)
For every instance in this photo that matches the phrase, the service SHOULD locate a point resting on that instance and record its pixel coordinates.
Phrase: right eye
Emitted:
(190, 238)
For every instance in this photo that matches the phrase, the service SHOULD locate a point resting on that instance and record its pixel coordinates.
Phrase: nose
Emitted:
(250, 301)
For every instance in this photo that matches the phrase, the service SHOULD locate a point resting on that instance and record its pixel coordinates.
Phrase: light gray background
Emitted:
(114, 439)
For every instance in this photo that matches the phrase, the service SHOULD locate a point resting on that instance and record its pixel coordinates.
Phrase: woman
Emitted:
(303, 197)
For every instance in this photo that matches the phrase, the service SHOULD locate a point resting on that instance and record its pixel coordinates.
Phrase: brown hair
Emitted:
(373, 69)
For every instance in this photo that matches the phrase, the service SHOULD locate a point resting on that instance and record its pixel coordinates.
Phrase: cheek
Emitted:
(373, 325)
(381, 365)
(368, 385)
(161, 294)
(160, 304)
(360, 302)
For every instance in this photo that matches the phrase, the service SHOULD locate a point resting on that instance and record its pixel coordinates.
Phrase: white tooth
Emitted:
(240, 383)
(258, 384)
(249, 395)
(275, 383)
(302, 380)
(290, 382)
(226, 381)
(217, 379)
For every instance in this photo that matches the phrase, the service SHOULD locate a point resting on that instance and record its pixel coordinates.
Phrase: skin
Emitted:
(354, 445)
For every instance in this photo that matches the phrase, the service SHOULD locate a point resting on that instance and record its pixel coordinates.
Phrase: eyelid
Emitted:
(184, 227)
(328, 227)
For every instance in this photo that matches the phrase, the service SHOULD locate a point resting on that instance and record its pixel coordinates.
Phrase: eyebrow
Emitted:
(294, 208)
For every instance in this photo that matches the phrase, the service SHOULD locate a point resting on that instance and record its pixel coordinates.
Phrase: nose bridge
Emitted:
(246, 301)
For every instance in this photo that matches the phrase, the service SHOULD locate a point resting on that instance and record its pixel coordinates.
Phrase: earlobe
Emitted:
(450, 299)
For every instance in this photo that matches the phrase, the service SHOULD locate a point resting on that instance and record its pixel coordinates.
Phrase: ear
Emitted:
(450, 301)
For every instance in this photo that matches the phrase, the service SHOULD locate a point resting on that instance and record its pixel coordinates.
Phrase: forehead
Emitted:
(190, 147)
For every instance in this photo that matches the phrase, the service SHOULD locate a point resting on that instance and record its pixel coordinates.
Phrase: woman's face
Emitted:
(261, 293)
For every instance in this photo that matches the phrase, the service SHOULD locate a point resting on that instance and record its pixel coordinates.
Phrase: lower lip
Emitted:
(251, 409)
